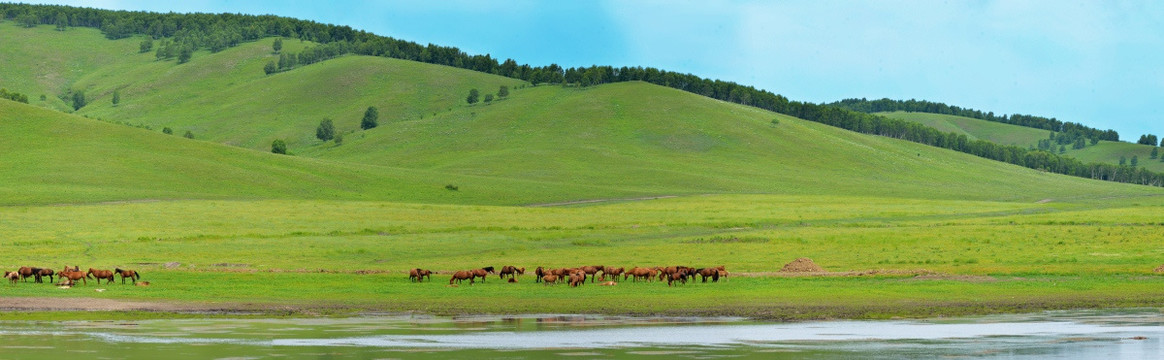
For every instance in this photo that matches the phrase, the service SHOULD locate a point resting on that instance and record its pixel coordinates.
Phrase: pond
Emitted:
(1061, 334)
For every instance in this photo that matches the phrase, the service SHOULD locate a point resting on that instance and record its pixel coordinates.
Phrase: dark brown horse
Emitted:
(418, 275)
(73, 276)
(100, 274)
(132, 274)
(461, 276)
(539, 272)
(40, 273)
(511, 271)
(680, 275)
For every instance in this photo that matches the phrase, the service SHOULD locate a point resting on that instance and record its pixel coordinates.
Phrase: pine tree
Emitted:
(116, 97)
(371, 118)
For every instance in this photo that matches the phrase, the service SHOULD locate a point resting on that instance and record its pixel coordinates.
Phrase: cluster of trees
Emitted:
(1038, 122)
(475, 96)
(14, 96)
(1149, 139)
(217, 31)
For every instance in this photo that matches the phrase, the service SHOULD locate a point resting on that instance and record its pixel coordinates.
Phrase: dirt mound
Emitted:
(802, 265)
(1159, 269)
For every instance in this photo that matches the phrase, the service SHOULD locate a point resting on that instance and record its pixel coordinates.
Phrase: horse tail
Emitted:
(136, 275)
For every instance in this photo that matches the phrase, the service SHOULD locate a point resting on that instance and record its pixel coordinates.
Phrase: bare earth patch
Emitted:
(94, 304)
(802, 265)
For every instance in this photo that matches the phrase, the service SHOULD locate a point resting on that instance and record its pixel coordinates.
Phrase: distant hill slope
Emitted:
(43, 61)
(542, 144)
(1006, 134)
(50, 157)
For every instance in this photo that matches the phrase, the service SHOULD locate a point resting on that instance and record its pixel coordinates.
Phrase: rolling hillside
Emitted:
(1104, 152)
(542, 144)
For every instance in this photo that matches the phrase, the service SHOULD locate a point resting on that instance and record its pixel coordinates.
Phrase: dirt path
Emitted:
(95, 304)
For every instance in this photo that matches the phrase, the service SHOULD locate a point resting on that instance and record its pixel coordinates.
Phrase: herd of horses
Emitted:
(69, 275)
(577, 276)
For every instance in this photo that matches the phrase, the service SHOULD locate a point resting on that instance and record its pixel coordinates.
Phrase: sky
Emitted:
(1100, 63)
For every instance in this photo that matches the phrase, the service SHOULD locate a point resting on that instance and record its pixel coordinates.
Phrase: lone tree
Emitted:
(473, 96)
(279, 147)
(371, 118)
(488, 98)
(78, 100)
(278, 44)
(189, 134)
(168, 131)
(185, 54)
(326, 130)
(116, 97)
(1155, 152)
(502, 92)
(270, 67)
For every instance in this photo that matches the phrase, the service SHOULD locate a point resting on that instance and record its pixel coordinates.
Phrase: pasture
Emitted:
(911, 257)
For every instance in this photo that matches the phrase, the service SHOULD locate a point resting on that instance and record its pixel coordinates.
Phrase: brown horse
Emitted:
(71, 268)
(646, 274)
(132, 274)
(577, 277)
(593, 271)
(40, 273)
(418, 275)
(73, 276)
(461, 276)
(480, 273)
(510, 270)
(679, 275)
(100, 274)
(26, 272)
(711, 272)
(613, 272)
(549, 279)
(539, 272)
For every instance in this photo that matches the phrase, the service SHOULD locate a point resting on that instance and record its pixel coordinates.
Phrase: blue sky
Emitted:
(1100, 63)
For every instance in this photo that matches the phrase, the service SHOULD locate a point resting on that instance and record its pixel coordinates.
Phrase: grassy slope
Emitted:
(652, 138)
(1104, 152)
(58, 158)
(226, 97)
(43, 61)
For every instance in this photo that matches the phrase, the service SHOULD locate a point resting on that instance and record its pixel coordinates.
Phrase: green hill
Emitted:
(542, 144)
(1007, 134)
(52, 157)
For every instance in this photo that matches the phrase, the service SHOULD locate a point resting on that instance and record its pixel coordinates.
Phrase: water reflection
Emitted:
(1067, 334)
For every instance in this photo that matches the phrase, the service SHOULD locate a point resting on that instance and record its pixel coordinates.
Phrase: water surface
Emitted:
(1135, 334)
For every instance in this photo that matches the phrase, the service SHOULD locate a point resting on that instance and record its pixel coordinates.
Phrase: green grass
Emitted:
(1006, 134)
(43, 61)
(995, 256)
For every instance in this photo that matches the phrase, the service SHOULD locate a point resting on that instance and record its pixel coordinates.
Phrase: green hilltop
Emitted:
(1105, 151)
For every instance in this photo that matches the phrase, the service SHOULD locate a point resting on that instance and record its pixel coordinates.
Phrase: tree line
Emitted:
(217, 31)
(14, 96)
(1037, 122)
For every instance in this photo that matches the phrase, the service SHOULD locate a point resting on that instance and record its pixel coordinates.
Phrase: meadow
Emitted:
(900, 257)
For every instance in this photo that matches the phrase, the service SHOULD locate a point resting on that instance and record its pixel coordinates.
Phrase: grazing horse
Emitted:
(73, 276)
(593, 271)
(26, 272)
(646, 274)
(461, 276)
(614, 272)
(549, 279)
(12, 276)
(418, 274)
(42, 273)
(679, 275)
(480, 273)
(100, 274)
(510, 270)
(539, 272)
(711, 272)
(132, 274)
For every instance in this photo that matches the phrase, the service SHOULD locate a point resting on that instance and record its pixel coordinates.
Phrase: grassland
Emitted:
(933, 257)
(335, 227)
(1103, 152)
